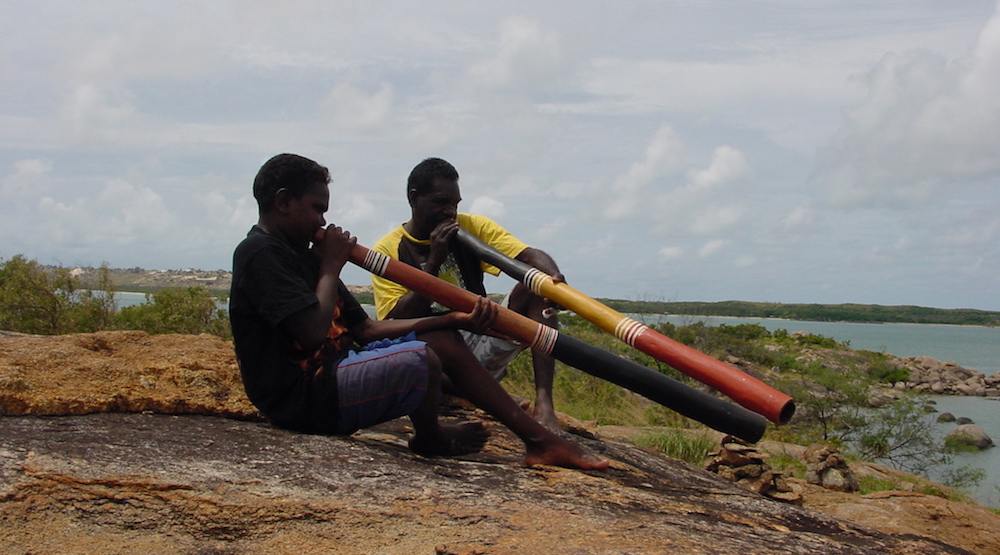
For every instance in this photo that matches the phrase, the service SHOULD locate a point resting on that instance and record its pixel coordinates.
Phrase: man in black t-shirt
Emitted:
(298, 334)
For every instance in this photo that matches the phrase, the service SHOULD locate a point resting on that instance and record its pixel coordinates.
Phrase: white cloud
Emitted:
(486, 206)
(801, 215)
(927, 121)
(131, 210)
(28, 177)
(528, 55)
(712, 247)
(663, 154)
(350, 108)
(120, 215)
(728, 165)
(244, 213)
(351, 210)
(95, 111)
(716, 220)
(671, 253)
(704, 204)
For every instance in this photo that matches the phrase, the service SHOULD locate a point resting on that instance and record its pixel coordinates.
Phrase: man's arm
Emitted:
(310, 325)
(479, 320)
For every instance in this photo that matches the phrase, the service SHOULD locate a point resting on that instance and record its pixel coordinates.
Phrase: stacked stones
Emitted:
(930, 375)
(826, 467)
(739, 462)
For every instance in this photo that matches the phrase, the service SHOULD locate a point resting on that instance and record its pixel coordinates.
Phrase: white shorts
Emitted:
(494, 353)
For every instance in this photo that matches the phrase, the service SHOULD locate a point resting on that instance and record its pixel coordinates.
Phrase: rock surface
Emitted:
(128, 479)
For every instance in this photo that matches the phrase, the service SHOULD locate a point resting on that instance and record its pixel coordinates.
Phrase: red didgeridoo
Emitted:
(733, 382)
(712, 411)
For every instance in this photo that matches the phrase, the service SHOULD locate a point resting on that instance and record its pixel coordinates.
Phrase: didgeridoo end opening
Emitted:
(787, 411)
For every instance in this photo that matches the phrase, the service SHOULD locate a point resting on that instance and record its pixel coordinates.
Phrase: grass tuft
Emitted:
(689, 446)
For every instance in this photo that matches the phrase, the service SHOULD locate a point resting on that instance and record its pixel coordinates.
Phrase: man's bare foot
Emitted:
(563, 453)
(451, 440)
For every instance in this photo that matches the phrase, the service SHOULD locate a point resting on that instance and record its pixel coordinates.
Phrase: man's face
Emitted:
(306, 213)
(439, 204)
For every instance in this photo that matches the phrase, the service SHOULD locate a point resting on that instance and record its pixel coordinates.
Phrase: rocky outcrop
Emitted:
(174, 477)
(930, 375)
(142, 483)
(128, 371)
(971, 435)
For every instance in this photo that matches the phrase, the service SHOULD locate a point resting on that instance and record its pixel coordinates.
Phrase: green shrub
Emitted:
(818, 341)
(788, 464)
(964, 477)
(39, 300)
(898, 435)
(872, 484)
(189, 310)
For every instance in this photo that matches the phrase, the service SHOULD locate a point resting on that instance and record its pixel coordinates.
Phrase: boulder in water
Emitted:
(970, 434)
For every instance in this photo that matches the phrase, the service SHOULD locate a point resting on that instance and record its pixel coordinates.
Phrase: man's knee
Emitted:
(446, 343)
(522, 301)
(528, 304)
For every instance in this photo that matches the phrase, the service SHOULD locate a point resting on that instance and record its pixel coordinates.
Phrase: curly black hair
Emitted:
(295, 173)
(422, 177)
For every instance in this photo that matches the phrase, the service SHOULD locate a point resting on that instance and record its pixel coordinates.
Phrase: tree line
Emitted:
(861, 313)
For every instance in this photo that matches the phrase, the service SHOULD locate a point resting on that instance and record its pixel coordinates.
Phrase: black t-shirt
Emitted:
(271, 281)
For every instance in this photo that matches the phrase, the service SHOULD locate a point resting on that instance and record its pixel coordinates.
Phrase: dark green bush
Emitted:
(39, 300)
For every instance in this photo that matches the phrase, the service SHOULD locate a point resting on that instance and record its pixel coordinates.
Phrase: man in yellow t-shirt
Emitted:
(426, 242)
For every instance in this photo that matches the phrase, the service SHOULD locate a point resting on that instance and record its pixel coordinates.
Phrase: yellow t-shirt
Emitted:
(388, 293)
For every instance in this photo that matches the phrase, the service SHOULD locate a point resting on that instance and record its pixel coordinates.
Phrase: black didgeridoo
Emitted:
(733, 382)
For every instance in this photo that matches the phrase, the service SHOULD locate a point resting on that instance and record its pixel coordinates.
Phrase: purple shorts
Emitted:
(385, 380)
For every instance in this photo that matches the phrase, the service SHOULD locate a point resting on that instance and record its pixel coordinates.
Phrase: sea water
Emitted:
(985, 413)
(129, 298)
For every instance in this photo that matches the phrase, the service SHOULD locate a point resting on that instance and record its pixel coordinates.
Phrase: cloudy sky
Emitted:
(784, 151)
